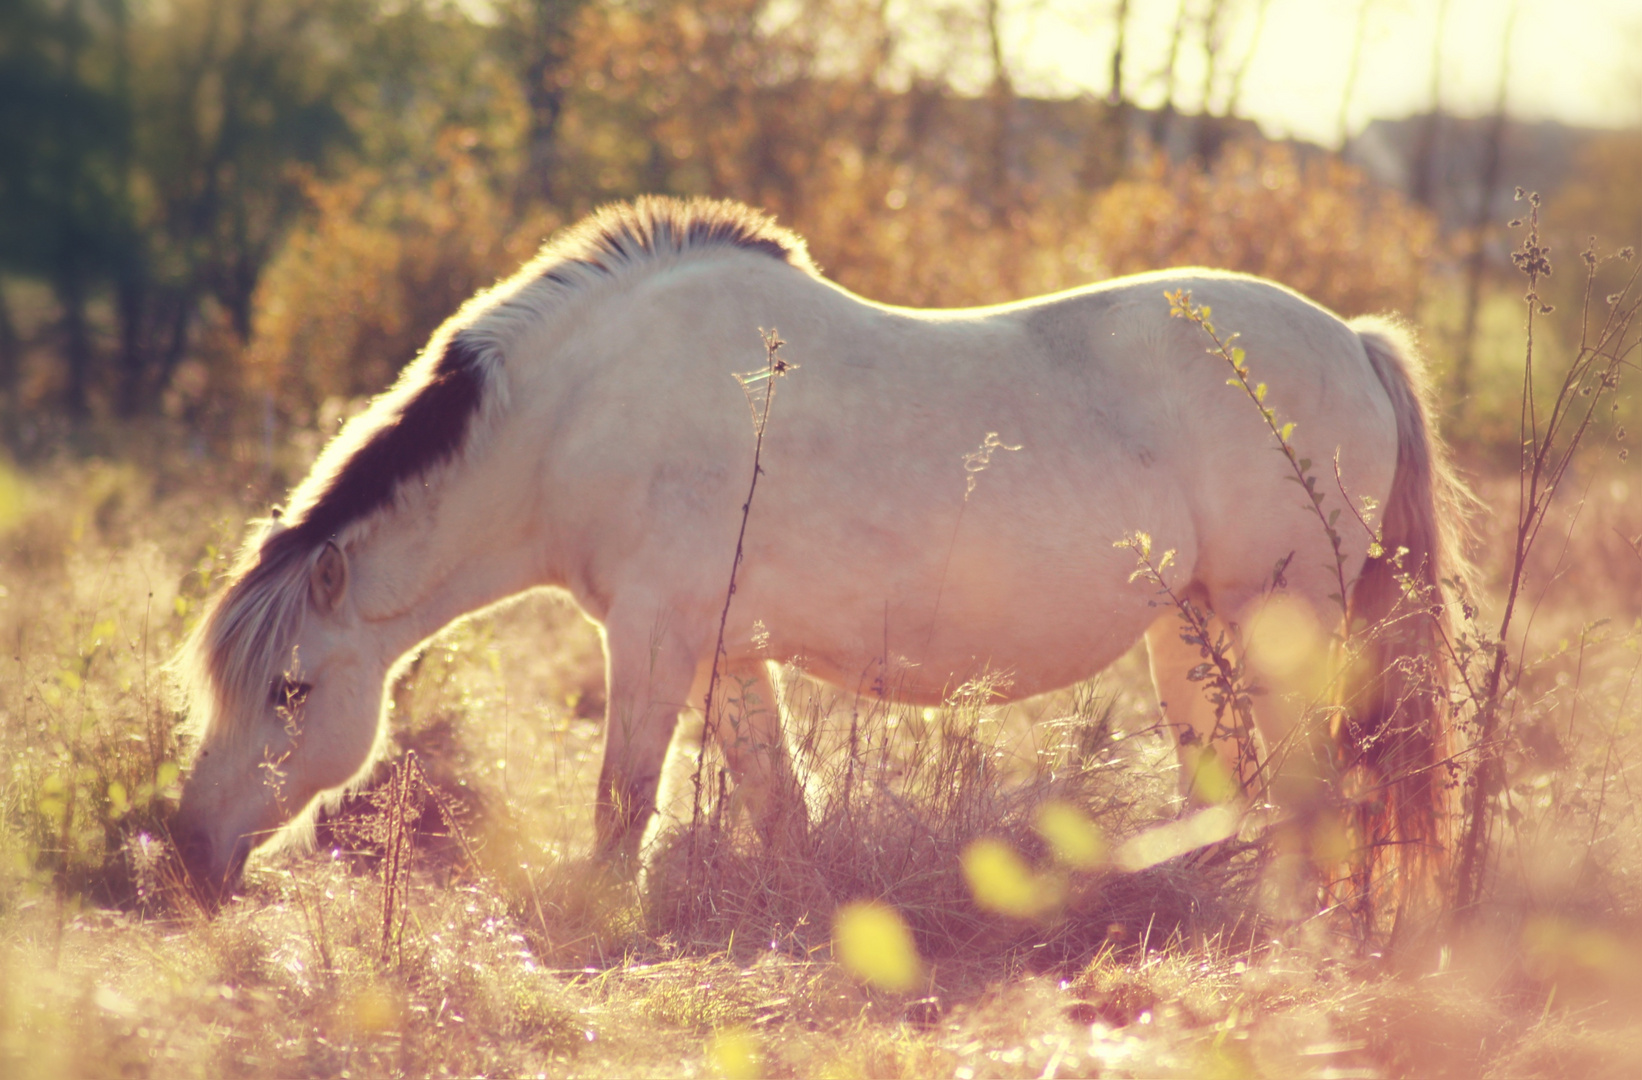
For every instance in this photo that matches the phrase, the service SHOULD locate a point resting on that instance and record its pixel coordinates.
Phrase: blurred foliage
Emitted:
(205, 200)
(91, 753)
(377, 266)
(156, 156)
(1314, 224)
(1604, 199)
(211, 198)
(152, 156)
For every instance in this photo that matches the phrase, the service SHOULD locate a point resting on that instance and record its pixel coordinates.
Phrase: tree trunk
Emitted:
(10, 352)
(1234, 99)
(549, 28)
(1106, 152)
(1205, 132)
(1002, 100)
(71, 293)
(1493, 159)
(1353, 68)
(1165, 115)
(130, 301)
(1422, 184)
(1114, 96)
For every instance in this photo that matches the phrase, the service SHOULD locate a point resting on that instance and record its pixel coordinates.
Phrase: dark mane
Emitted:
(425, 430)
(425, 419)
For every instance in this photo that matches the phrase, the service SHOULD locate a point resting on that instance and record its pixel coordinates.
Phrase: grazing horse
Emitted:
(579, 426)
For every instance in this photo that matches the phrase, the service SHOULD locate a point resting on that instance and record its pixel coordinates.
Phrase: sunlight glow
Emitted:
(1176, 838)
(1570, 61)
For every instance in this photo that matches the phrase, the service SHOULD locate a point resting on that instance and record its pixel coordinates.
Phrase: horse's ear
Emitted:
(328, 581)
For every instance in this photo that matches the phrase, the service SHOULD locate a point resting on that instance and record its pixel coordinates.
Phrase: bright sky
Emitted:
(1574, 60)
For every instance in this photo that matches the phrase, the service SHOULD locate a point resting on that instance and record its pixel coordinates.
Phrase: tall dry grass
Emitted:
(453, 923)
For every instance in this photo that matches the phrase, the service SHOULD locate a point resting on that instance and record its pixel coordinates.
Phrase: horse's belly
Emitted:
(925, 647)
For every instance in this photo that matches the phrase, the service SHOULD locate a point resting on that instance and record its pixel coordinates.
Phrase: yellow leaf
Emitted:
(1076, 841)
(1557, 945)
(1176, 838)
(1287, 645)
(1219, 1059)
(52, 808)
(736, 1055)
(370, 1010)
(1212, 782)
(12, 497)
(873, 943)
(1000, 881)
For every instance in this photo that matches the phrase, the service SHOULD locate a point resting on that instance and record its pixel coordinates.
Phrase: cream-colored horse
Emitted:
(578, 426)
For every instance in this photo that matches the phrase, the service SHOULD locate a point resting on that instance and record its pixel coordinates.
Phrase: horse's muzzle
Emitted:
(210, 879)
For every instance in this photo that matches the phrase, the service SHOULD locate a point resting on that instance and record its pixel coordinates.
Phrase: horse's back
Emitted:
(884, 525)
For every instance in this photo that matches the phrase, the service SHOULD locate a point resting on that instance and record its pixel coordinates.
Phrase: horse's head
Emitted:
(287, 694)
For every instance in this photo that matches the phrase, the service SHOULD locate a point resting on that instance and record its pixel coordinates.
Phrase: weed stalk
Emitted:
(774, 368)
(1549, 445)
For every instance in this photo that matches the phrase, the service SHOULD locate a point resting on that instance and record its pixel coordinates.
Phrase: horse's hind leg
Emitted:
(1219, 757)
(648, 672)
(748, 727)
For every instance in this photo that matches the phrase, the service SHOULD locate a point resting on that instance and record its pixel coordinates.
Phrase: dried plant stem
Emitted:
(774, 368)
(1548, 449)
(396, 853)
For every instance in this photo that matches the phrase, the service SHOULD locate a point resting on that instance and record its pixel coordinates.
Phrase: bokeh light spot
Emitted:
(1076, 841)
(872, 941)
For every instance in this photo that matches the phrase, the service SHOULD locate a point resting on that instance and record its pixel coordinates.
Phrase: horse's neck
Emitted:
(470, 544)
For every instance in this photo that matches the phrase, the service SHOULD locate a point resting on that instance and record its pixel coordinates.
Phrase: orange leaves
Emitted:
(1316, 225)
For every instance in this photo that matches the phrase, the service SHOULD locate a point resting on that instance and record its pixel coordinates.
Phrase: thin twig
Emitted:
(774, 368)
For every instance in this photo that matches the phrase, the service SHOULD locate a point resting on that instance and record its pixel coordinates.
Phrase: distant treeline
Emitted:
(204, 197)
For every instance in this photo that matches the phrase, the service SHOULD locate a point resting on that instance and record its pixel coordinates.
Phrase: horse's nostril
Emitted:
(207, 884)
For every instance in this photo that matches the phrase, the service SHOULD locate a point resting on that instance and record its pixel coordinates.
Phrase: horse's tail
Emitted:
(1396, 735)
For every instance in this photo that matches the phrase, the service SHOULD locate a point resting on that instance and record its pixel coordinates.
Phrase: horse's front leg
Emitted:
(648, 672)
(747, 724)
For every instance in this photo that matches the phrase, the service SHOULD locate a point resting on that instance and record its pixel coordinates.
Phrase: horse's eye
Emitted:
(288, 693)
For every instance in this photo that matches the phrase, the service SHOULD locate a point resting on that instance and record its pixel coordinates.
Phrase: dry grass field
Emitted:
(967, 901)
(225, 223)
